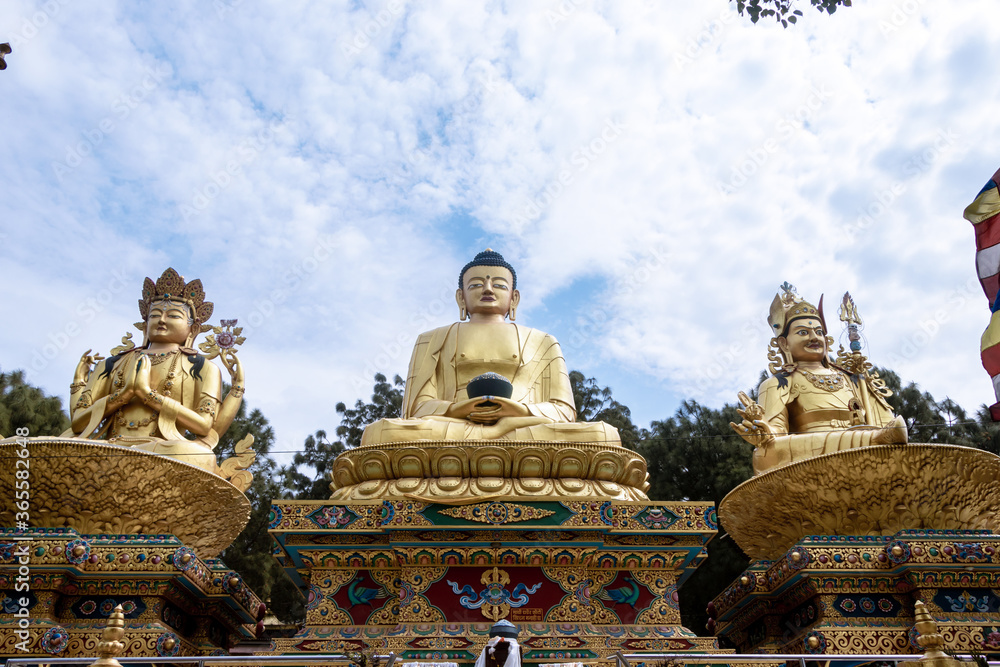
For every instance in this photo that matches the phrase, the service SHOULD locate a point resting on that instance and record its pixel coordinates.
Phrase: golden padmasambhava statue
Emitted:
(150, 397)
(525, 364)
(812, 405)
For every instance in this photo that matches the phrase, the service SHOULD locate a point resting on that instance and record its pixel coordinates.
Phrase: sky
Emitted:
(653, 170)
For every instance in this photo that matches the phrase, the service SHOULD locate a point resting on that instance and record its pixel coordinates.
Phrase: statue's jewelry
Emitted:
(168, 382)
(207, 407)
(157, 359)
(832, 383)
(133, 425)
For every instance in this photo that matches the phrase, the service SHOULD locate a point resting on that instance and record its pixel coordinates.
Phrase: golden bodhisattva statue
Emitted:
(812, 405)
(436, 404)
(150, 397)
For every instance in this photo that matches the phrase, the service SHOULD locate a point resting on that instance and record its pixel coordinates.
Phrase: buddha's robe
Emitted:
(138, 425)
(809, 420)
(443, 364)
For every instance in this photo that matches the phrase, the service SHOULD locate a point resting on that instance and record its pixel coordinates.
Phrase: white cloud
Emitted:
(326, 172)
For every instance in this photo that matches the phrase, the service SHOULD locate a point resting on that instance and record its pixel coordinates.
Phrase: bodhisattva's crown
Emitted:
(788, 306)
(171, 287)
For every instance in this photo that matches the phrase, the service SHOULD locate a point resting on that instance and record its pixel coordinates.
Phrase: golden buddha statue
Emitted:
(436, 403)
(812, 405)
(149, 397)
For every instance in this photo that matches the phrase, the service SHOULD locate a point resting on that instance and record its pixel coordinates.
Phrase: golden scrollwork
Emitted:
(511, 512)
(580, 584)
(663, 610)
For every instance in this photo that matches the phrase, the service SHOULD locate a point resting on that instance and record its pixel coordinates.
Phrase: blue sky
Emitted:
(654, 171)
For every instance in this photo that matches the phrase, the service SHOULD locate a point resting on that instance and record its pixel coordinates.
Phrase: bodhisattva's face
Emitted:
(168, 322)
(806, 340)
(487, 290)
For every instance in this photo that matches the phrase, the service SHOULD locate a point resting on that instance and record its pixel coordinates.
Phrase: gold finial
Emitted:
(110, 644)
(929, 638)
(488, 250)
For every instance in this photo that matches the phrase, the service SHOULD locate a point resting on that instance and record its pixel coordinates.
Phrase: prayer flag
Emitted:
(984, 214)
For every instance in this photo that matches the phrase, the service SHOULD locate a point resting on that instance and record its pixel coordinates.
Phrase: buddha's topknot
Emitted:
(488, 257)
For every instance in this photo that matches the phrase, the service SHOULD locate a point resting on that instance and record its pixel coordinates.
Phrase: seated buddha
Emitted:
(436, 402)
(810, 405)
(150, 397)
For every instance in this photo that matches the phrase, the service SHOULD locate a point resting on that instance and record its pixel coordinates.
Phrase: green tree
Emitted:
(782, 10)
(307, 478)
(695, 455)
(596, 404)
(387, 401)
(250, 553)
(316, 459)
(25, 406)
(927, 420)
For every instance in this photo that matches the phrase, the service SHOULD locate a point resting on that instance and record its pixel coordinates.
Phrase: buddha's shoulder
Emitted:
(438, 334)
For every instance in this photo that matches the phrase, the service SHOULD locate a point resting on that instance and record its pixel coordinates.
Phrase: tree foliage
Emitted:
(250, 552)
(782, 10)
(938, 422)
(694, 455)
(308, 478)
(595, 404)
(25, 406)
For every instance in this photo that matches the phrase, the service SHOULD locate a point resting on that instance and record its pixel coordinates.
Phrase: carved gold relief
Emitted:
(442, 469)
(497, 513)
(877, 490)
(100, 488)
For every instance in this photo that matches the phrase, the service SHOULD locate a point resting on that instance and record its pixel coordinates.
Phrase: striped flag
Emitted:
(984, 214)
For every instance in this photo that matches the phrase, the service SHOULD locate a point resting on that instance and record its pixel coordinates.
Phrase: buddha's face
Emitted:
(487, 290)
(806, 340)
(168, 322)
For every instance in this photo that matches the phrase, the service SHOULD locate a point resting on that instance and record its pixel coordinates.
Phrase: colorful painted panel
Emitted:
(967, 600)
(626, 597)
(879, 606)
(479, 594)
(101, 607)
(361, 597)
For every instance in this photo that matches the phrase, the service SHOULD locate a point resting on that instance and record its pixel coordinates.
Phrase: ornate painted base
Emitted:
(582, 578)
(175, 603)
(856, 594)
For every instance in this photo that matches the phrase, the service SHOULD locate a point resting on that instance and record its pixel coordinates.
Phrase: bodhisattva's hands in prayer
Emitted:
(141, 382)
(753, 429)
(487, 409)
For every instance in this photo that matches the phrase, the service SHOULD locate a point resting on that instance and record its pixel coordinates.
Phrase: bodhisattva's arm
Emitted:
(98, 400)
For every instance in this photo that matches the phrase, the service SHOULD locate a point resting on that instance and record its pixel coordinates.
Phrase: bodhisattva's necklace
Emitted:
(157, 359)
(833, 382)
